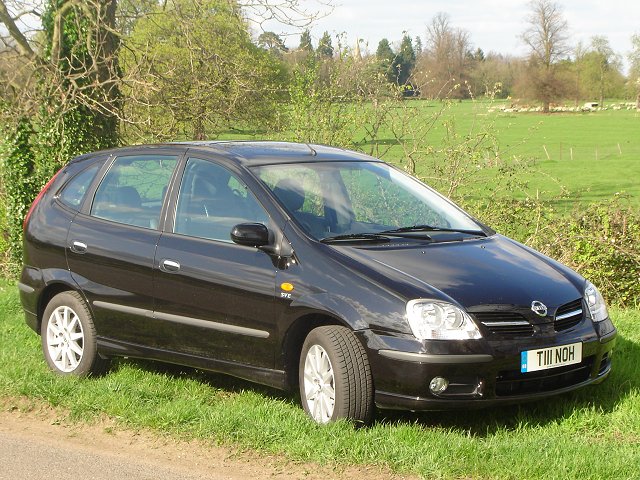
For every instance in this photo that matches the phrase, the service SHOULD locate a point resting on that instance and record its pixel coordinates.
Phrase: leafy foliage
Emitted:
(321, 108)
(17, 168)
(193, 72)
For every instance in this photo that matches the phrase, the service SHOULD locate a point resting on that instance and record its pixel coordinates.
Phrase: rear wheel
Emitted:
(68, 337)
(335, 377)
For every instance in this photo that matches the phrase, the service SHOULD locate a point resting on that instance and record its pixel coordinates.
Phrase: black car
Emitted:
(301, 265)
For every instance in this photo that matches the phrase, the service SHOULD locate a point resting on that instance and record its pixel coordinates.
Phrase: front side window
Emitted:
(133, 190)
(212, 201)
(350, 198)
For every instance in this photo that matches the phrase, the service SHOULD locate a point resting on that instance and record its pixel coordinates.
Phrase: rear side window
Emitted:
(133, 190)
(74, 191)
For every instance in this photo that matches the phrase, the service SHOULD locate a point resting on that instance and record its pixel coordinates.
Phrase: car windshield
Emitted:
(352, 200)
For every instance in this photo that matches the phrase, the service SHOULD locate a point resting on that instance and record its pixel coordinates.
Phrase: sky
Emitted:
(494, 25)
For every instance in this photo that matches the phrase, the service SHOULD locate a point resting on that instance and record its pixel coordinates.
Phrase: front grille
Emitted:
(513, 382)
(505, 323)
(568, 315)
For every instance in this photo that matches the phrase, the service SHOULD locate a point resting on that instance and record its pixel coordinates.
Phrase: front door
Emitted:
(214, 298)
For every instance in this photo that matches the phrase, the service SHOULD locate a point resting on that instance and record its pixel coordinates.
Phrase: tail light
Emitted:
(39, 197)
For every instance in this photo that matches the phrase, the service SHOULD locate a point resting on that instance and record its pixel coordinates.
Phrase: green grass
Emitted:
(591, 155)
(591, 434)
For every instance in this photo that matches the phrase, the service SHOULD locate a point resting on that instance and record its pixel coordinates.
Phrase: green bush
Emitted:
(18, 184)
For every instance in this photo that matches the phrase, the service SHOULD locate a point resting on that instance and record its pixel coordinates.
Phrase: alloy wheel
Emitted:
(319, 384)
(65, 339)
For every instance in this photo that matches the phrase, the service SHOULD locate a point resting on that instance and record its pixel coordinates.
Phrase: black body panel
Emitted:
(245, 310)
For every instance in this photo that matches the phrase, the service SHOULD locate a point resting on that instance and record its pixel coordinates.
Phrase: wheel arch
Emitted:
(51, 290)
(294, 338)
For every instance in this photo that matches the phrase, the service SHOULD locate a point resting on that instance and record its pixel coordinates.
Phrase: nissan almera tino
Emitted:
(305, 266)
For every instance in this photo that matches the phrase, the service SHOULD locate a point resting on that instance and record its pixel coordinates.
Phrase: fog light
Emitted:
(438, 385)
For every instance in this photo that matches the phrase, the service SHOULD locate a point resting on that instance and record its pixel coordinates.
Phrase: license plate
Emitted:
(552, 357)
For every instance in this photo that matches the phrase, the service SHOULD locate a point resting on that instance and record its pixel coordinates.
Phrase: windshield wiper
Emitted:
(432, 228)
(356, 236)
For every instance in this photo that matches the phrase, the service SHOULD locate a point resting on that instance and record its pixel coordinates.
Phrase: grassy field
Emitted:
(591, 434)
(593, 155)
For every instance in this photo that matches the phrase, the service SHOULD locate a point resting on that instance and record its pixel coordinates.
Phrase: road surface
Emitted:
(39, 445)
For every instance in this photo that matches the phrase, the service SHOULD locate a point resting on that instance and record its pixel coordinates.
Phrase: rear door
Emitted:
(214, 298)
(111, 243)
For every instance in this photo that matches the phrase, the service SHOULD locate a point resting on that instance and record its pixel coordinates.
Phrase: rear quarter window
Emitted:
(73, 193)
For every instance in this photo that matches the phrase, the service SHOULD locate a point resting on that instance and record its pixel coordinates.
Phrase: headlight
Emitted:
(595, 302)
(440, 321)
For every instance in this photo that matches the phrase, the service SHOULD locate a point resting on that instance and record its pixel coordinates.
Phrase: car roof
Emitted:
(252, 153)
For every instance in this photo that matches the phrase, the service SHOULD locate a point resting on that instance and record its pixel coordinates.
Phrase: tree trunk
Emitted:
(108, 70)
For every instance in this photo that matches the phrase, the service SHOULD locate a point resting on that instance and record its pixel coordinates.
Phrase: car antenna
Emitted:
(313, 152)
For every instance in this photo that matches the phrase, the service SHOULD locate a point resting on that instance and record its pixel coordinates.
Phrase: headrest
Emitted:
(290, 193)
(127, 196)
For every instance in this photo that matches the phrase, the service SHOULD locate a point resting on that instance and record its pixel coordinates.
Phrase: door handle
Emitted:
(78, 247)
(169, 265)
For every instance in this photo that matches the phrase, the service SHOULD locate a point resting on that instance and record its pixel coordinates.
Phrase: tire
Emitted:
(335, 376)
(68, 337)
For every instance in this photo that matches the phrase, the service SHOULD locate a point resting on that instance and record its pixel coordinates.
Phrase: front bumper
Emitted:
(481, 373)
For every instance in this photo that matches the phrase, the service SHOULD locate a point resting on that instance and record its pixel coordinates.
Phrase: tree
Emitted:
(478, 55)
(634, 71)
(325, 48)
(595, 72)
(418, 43)
(272, 42)
(404, 61)
(606, 60)
(128, 12)
(494, 75)
(196, 72)
(73, 84)
(68, 103)
(305, 42)
(385, 58)
(61, 82)
(444, 68)
(384, 51)
(547, 39)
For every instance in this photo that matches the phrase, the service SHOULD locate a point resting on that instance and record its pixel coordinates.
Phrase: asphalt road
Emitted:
(40, 445)
(58, 456)
(53, 459)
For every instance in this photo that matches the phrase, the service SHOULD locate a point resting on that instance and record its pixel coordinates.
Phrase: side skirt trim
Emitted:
(264, 376)
(193, 322)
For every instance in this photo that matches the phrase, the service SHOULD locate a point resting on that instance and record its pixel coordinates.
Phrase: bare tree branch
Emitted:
(21, 41)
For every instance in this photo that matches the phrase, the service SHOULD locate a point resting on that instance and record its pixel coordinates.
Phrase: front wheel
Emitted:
(69, 337)
(335, 377)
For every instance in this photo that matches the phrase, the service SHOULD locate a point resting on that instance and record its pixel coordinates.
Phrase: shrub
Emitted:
(18, 183)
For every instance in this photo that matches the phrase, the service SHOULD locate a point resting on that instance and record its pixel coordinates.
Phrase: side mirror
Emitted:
(250, 234)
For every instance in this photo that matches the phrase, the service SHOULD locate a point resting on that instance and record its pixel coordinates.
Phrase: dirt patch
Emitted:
(24, 421)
